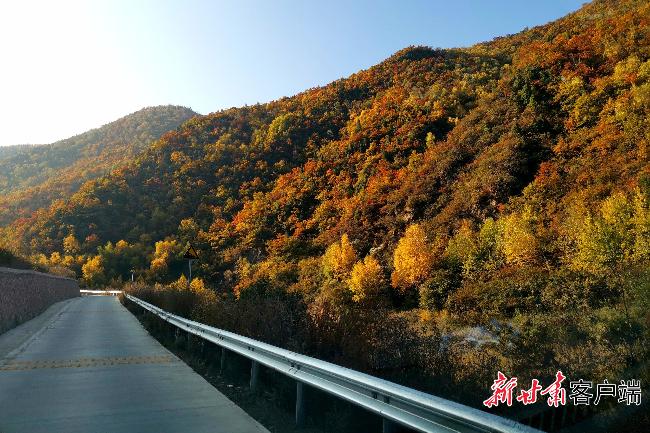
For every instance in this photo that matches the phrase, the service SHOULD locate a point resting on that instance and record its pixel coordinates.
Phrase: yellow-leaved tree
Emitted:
(93, 271)
(197, 285)
(462, 249)
(366, 280)
(619, 234)
(519, 244)
(71, 244)
(164, 254)
(412, 259)
(339, 259)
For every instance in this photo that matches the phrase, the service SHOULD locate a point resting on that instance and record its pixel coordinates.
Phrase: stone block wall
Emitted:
(26, 294)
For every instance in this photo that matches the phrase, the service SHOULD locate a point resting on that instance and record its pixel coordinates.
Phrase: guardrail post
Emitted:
(178, 339)
(255, 370)
(388, 426)
(300, 404)
(223, 359)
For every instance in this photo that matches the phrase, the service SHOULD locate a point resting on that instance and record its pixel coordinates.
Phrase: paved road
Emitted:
(91, 367)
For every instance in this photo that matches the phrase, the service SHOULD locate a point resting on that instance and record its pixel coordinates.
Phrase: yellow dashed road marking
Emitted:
(86, 362)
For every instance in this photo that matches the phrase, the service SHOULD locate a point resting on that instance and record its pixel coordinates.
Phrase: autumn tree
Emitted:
(520, 246)
(120, 259)
(167, 253)
(188, 230)
(339, 258)
(366, 280)
(619, 233)
(462, 250)
(71, 244)
(93, 271)
(412, 259)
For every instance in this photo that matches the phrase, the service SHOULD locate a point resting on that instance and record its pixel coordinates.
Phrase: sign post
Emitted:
(190, 255)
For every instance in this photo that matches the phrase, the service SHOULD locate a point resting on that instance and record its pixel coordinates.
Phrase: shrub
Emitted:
(434, 291)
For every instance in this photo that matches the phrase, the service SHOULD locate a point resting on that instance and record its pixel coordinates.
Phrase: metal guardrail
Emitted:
(100, 292)
(395, 403)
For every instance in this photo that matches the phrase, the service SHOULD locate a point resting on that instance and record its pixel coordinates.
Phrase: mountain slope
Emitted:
(32, 177)
(480, 121)
(222, 160)
(8, 151)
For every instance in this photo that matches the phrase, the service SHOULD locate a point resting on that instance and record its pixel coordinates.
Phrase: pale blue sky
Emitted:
(69, 66)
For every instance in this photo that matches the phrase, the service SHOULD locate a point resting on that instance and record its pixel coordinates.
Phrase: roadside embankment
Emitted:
(25, 294)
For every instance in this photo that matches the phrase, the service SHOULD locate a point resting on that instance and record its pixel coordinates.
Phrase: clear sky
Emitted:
(70, 66)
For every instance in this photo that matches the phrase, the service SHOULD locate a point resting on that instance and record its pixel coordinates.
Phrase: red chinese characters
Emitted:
(529, 396)
(556, 394)
(503, 388)
(628, 392)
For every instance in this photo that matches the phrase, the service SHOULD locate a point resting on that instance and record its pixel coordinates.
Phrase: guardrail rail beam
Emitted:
(396, 404)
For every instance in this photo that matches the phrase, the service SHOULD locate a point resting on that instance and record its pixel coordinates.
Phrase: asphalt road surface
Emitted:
(87, 365)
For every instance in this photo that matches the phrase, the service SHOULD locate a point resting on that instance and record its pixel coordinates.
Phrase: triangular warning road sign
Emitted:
(191, 253)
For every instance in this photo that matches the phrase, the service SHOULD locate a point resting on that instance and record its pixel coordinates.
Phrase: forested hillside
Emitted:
(505, 185)
(7, 151)
(32, 177)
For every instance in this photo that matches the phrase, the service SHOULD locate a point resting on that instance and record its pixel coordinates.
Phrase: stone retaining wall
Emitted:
(26, 294)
